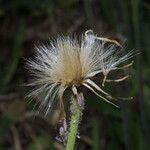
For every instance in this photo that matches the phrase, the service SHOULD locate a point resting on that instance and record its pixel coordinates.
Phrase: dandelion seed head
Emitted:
(66, 62)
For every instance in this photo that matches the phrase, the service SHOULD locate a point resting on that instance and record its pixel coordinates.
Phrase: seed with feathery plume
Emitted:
(69, 64)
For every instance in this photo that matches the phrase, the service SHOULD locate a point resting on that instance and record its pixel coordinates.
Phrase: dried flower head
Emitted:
(67, 63)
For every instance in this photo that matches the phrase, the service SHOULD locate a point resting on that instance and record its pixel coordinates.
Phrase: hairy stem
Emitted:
(75, 119)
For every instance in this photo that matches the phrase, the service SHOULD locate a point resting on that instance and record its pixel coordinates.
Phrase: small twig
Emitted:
(17, 144)
(59, 146)
(86, 139)
(32, 135)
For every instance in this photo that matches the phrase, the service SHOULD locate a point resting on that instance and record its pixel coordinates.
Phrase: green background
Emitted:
(24, 23)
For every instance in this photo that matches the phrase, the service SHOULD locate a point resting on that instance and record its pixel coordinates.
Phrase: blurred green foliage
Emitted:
(24, 22)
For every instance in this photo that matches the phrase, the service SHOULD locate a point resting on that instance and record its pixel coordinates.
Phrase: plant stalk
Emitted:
(75, 119)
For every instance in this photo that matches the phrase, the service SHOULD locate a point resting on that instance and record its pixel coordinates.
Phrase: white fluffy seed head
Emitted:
(66, 63)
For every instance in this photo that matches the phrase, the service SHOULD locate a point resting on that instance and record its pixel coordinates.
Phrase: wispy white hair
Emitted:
(69, 63)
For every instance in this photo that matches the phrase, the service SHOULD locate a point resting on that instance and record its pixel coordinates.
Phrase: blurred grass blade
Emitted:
(124, 9)
(125, 126)
(89, 13)
(16, 55)
(96, 134)
(109, 13)
(137, 41)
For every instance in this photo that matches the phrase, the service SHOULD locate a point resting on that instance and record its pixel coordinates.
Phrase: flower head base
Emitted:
(67, 63)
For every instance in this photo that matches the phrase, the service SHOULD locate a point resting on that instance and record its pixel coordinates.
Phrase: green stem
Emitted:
(75, 119)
